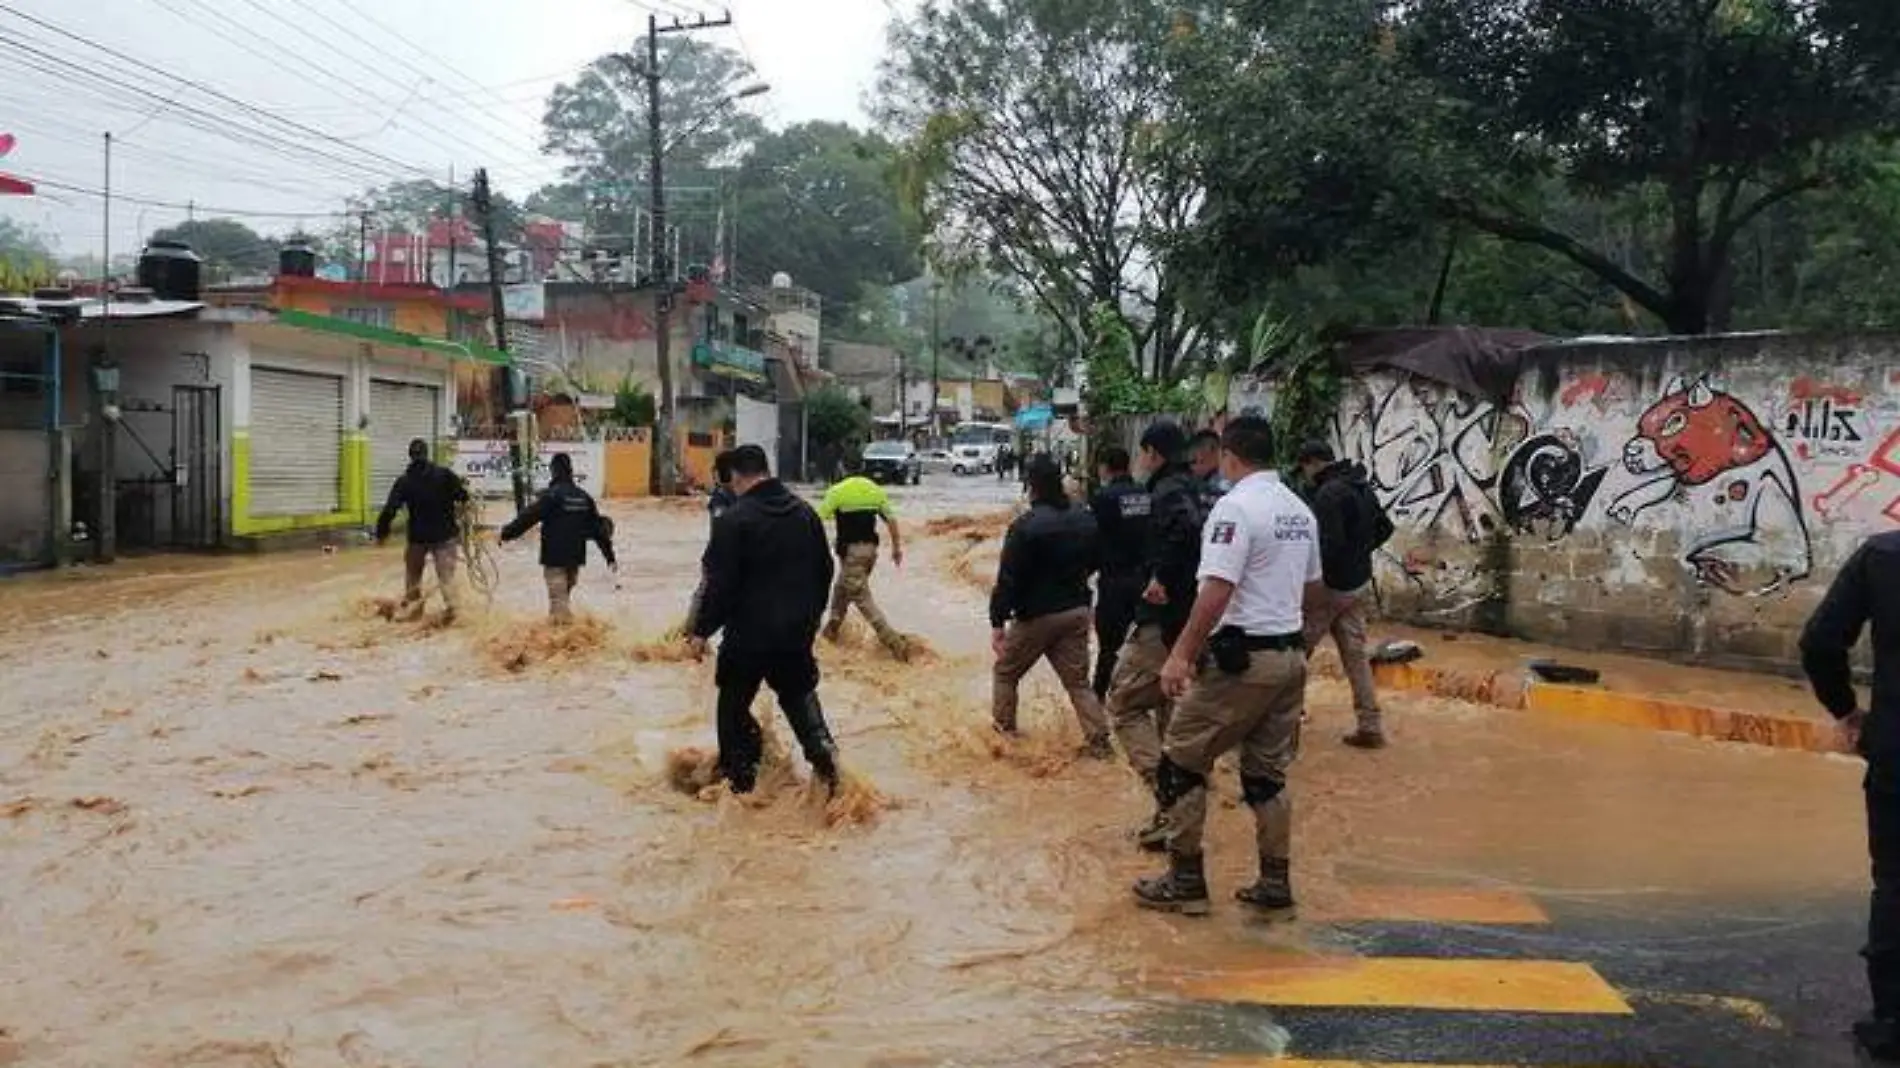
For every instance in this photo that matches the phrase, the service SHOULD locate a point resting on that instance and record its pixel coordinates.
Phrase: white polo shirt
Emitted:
(1262, 538)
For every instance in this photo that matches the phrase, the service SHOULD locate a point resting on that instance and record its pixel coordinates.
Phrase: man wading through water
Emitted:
(1121, 510)
(858, 504)
(1867, 591)
(569, 519)
(1040, 606)
(721, 499)
(767, 573)
(1352, 527)
(1171, 553)
(432, 493)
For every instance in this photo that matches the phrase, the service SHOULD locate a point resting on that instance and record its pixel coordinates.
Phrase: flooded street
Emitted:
(246, 821)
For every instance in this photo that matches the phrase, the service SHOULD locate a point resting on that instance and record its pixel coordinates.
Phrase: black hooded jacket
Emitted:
(1173, 553)
(1352, 526)
(1048, 556)
(430, 492)
(768, 573)
(569, 519)
(1865, 593)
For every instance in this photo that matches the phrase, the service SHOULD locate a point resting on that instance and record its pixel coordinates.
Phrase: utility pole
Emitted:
(362, 247)
(455, 230)
(498, 309)
(903, 401)
(664, 468)
(936, 289)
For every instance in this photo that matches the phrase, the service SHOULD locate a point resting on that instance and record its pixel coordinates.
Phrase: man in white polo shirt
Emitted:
(1238, 673)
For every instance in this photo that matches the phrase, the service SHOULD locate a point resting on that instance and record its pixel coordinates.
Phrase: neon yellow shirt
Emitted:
(855, 494)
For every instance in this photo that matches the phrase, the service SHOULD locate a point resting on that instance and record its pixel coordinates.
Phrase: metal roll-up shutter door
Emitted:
(296, 442)
(399, 412)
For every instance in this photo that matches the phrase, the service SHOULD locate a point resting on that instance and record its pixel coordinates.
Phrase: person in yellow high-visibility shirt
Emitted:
(856, 504)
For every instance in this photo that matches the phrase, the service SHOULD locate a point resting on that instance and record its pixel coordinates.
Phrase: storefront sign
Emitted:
(484, 463)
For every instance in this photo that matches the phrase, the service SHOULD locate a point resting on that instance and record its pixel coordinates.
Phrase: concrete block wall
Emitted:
(1683, 497)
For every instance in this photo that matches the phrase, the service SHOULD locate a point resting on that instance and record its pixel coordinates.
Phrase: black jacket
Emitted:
(1173, 553)
(1867, 590)
(720, 500)
(1121, 511)
(1048, 556)
(569, 519)
(430, 492)
(1352, 526)
(768, 573)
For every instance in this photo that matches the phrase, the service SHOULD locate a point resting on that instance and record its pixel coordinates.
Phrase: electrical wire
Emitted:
(289, 124)
(212, 209)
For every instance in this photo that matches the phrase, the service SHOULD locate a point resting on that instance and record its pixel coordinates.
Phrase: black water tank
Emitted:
(297, 260)
(170, 270)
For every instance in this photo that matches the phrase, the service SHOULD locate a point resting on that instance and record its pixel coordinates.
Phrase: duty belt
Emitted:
(1274, 643)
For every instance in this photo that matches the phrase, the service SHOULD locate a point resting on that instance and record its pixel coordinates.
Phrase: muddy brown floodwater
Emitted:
(246, 821)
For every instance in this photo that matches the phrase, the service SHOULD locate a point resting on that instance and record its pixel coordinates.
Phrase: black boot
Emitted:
(1183, 889)
(807, 718)
(1272, 896)
(1877, 1041)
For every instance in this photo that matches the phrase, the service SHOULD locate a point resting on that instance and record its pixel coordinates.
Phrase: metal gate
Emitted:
(296, 443)
(197, 467)
(399, 412)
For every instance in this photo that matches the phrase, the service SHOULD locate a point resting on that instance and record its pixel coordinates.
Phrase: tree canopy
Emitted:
(227, 246)
(1037, 144)
(1331, 130)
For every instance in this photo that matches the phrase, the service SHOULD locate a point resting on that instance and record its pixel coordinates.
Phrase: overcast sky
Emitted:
(386, 89)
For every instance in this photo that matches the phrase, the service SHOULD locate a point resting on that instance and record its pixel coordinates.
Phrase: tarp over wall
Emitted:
(1474, 360)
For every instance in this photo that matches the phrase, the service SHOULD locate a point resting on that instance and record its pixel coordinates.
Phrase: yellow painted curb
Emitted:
(1517, 690)
(1528, 986)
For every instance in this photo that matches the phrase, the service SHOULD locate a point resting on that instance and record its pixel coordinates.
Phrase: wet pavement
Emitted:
(246, 821)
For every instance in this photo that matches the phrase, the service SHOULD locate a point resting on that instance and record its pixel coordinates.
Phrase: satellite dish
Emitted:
(781, 280)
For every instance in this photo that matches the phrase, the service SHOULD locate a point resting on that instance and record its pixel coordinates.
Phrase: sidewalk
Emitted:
(1633, 692)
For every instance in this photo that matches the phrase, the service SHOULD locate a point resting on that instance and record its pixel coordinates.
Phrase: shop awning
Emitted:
(454, 350)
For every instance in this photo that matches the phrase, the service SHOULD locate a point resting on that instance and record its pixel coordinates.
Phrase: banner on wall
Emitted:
(484, 463)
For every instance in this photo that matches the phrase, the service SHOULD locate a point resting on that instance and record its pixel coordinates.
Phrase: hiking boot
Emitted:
(1007, 730)
(1272, 897)
(1364, 739)
(1097, 749)
(824, 767)
(899, 648)
(832, 630)
(1183, 889)
(1154, 837)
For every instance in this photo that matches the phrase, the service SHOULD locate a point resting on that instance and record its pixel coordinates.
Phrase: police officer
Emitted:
(1206, 467)
(1039, 607)
(569, 519)
(1867, 591)
(1171, 553)
(1259, 561)
(1121, 509)
(432, 494)
(721, 499)
(767, 571)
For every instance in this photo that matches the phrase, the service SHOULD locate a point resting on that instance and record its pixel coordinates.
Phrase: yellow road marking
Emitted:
(1424, 904)
(1553, 987)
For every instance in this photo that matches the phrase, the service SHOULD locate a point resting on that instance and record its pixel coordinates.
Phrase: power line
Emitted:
(220, 125)
(213, 209)
(290, 124)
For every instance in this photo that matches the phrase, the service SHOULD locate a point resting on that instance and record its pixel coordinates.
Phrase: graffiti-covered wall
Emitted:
(1689, 497)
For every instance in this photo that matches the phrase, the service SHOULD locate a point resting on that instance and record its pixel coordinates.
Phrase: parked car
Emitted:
(893, 461)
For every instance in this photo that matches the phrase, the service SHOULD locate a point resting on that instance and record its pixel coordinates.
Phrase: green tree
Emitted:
(226, 245)
(597, 122)
(835, 418)
(1334, 130)
(816, 201)
(1037, 143)
(633, 405)
(26, 257)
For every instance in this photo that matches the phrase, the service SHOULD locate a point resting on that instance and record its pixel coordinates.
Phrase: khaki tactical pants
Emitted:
(854, 588)
(1343, 615)
(1257, 711)
(1062, 639)
(561, 582)
(1137, 708)
(417, 557)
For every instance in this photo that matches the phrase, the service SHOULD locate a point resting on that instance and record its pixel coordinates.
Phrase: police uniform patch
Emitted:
(1221, 533)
